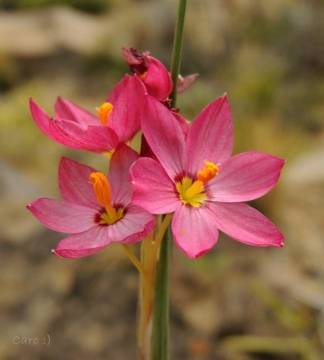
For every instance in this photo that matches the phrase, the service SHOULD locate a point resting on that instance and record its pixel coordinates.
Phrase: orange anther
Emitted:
(104, 112)
(101, 187)
(209, 171)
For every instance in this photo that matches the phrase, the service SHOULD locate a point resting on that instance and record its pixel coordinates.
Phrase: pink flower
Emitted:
(118, 119)
(196, 178)
(96, 212)
(152, 72)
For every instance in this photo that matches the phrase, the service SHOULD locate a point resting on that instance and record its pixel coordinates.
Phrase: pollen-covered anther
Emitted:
(209, 171)
(101, 187)
(102, 190)
(104, 112)
(143, 75)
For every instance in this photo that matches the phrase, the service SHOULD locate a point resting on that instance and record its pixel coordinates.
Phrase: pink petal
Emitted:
(210, 136)
(245, 177)
(245, 224)
(83, 244)
(118, 175)
(126, 115)
(113, 96)
(67, 110)
(133, 227)
(153, 189)
(69, 133)
(158, 80)
(99, 139)
(63, 216)
(165, 137)
(194, 230)
(182, 122)
(45, 123)
(74, 183)
(185, 83)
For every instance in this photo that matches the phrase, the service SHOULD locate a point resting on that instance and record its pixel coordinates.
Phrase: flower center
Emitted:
(102, 190)
(104, 112)
(193, 192)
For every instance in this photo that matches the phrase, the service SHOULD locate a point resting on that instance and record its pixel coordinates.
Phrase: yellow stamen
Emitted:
(191, 192)
(209, 171)
(102, 190)
(111, 215)
(196, 188)
(104, 112)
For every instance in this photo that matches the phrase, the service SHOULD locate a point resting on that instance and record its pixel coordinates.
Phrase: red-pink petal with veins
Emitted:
(63, 216)
(67, 110)
(74, 183)
(153, 189)
(210, 136)
(244, 177)
(194, 230)
(164, 136)
(245, 224)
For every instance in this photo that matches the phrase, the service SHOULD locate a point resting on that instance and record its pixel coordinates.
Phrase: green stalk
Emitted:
(160, 331)
(177, 49)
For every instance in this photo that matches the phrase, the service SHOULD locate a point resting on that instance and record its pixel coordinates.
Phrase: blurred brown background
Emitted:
(269, 58)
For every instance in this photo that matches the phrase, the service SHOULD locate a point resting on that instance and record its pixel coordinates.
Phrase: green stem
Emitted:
(160, 331)
(177, 49)
(150, 254)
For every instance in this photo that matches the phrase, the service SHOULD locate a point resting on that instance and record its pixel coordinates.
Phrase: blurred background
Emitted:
(235, 303)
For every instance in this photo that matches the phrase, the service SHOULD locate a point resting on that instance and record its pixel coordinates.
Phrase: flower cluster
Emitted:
(184, 168)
